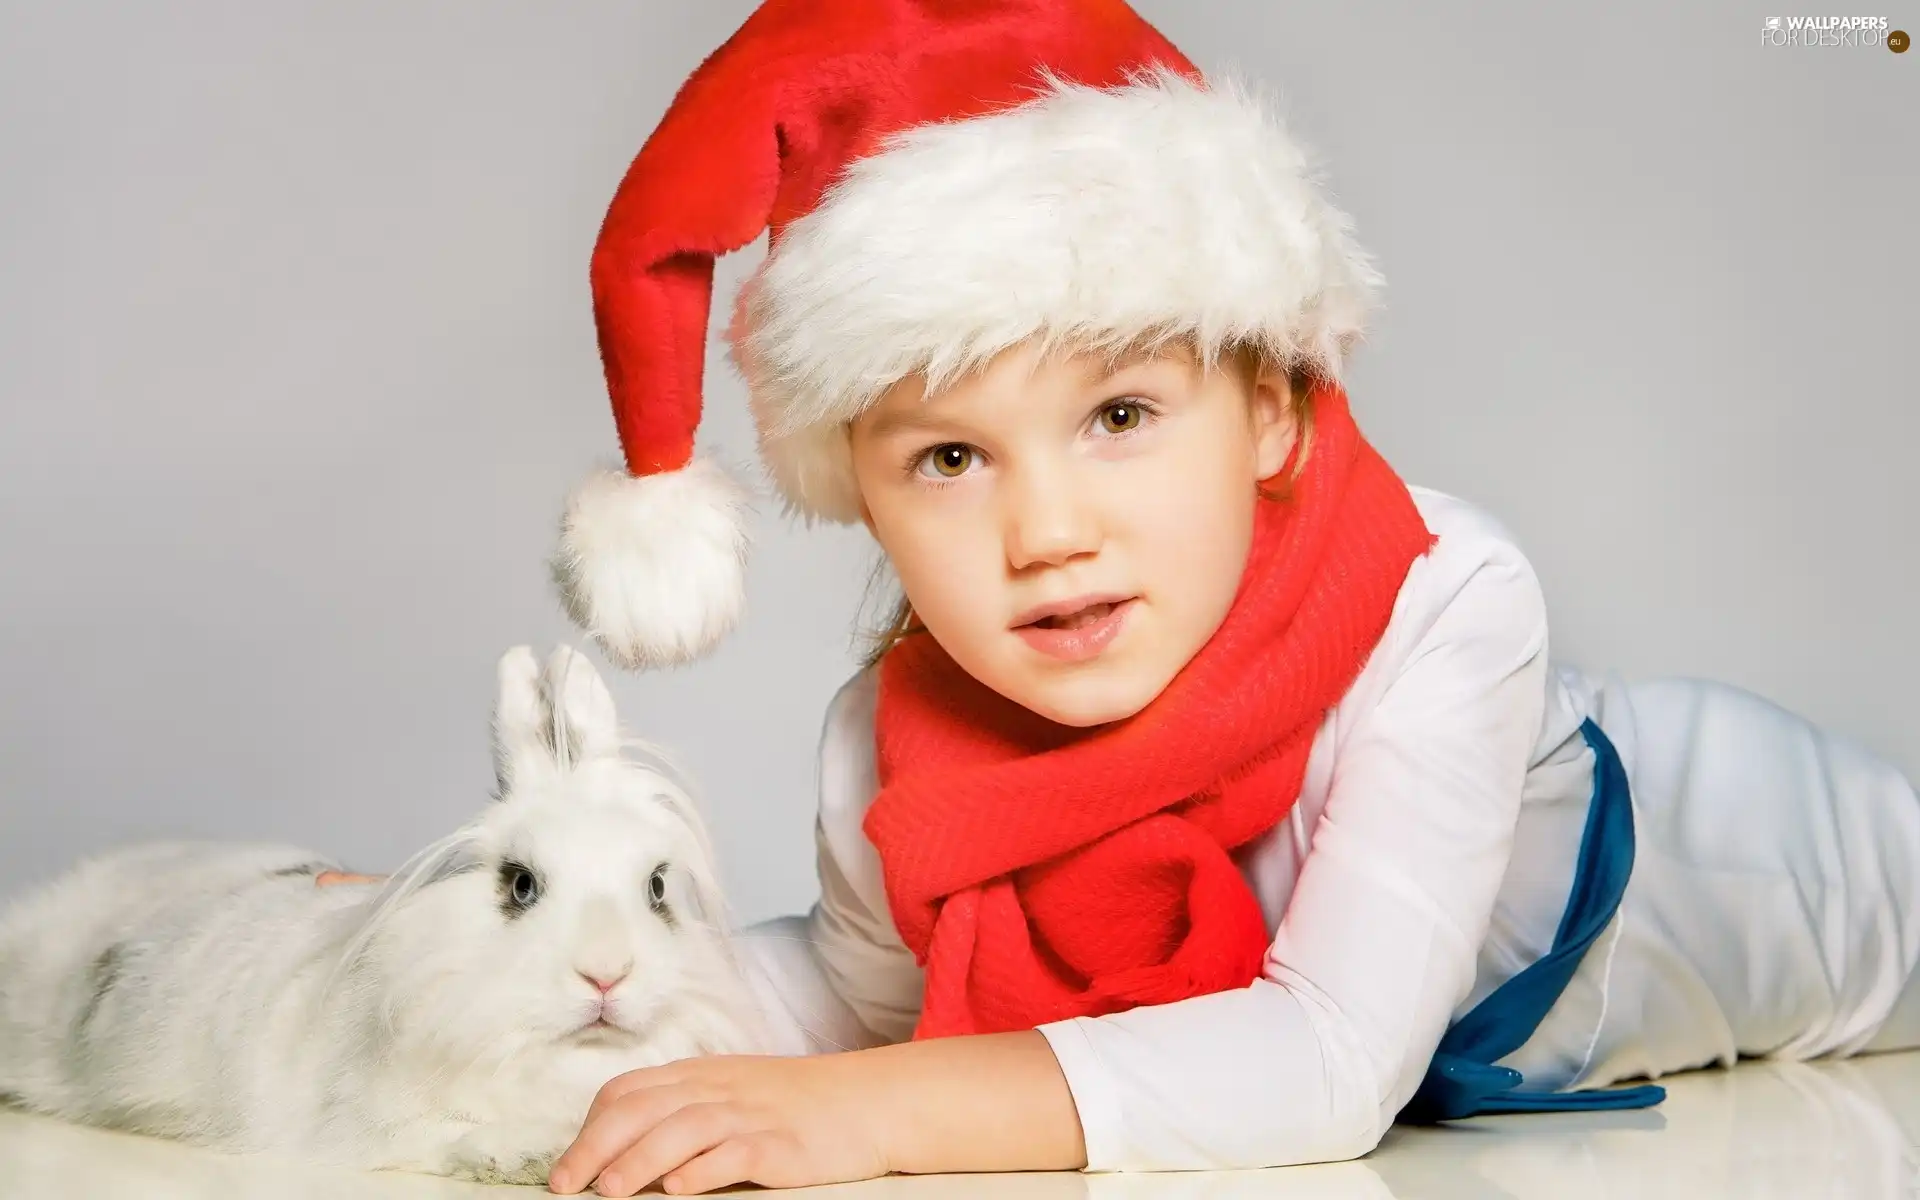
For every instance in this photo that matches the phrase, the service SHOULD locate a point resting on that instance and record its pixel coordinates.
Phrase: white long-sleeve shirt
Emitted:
(1427, 859)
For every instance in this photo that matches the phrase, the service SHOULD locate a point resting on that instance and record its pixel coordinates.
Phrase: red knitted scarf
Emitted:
(1040, 872)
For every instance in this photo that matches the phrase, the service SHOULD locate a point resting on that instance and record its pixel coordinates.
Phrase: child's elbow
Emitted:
(1333, 1142)
(1351, 1125)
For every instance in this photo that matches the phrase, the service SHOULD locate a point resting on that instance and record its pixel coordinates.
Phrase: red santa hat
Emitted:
(940, 180)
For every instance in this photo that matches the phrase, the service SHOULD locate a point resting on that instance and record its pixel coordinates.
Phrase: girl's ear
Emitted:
(1274, 429)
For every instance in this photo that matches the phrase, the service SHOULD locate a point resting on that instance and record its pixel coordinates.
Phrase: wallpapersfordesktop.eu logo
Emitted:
(1833, 31)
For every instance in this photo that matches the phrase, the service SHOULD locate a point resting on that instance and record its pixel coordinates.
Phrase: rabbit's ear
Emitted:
(698, 859)
(709, 897)
(521, 717)
(584, 722)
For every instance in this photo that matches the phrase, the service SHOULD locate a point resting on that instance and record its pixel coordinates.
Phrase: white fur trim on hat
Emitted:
(1087, 218)
(654, 566)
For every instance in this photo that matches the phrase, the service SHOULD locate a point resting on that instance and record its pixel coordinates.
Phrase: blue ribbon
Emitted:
(1462, 1080)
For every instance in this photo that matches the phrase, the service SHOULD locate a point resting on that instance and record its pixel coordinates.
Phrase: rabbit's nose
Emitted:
(603, 986)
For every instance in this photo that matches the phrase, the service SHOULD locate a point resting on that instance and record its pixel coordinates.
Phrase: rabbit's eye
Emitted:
(657, 887)
(519, 888)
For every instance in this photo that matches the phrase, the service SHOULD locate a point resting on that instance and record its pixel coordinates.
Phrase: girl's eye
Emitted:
(1121, 417)
(657, 885)
(951, 460)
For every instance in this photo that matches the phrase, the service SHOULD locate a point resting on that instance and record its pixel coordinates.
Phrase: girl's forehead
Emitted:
(1029, 365)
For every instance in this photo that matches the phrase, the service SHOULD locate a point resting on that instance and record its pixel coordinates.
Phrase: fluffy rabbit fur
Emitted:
(445, 1021)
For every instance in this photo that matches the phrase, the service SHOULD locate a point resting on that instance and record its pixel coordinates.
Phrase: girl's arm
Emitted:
(991, 1102)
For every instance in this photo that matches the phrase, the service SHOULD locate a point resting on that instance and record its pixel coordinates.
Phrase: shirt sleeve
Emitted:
(838, 977)
(1378, 942)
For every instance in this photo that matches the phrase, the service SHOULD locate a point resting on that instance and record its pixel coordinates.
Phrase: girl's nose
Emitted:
(1049, 520)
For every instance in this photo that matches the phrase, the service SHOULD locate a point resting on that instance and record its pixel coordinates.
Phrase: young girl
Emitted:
(1215, 802)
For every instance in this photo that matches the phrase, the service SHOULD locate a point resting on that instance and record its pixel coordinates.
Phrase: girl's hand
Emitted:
(985, 1102)
(329, 878)
(704, 1123)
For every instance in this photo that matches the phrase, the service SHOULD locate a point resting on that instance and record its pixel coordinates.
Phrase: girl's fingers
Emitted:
(736, 1160)
(612, 1129)
(687, 1134)
(329, 878)
(614, 1090)
(621, 1086)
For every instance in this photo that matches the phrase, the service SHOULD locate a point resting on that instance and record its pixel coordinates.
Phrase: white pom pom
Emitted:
(654, 566)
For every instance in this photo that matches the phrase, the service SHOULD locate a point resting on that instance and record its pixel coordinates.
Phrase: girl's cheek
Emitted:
(1168, 491)
(943, 553)
(1192, 515)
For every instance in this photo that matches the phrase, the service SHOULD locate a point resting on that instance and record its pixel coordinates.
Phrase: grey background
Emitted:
(297, 365)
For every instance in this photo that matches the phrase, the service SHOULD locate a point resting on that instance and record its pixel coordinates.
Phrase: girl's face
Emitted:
(1039, 485)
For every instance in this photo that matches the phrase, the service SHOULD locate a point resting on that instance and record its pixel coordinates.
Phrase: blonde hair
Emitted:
(1245, 360)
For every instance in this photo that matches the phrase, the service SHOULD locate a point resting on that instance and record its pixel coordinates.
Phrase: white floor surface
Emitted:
(1846, 1129)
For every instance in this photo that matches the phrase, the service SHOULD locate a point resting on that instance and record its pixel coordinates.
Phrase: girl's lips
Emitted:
(1082, 642)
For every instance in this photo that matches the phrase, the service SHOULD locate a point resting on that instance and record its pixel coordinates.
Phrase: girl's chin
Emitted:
(1082, 698)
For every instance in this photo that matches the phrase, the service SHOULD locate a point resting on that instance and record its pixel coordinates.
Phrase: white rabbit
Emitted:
(456, 1020)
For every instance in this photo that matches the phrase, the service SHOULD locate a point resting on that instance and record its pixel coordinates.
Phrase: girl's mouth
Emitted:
(1075, 620)
(1079, 635)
